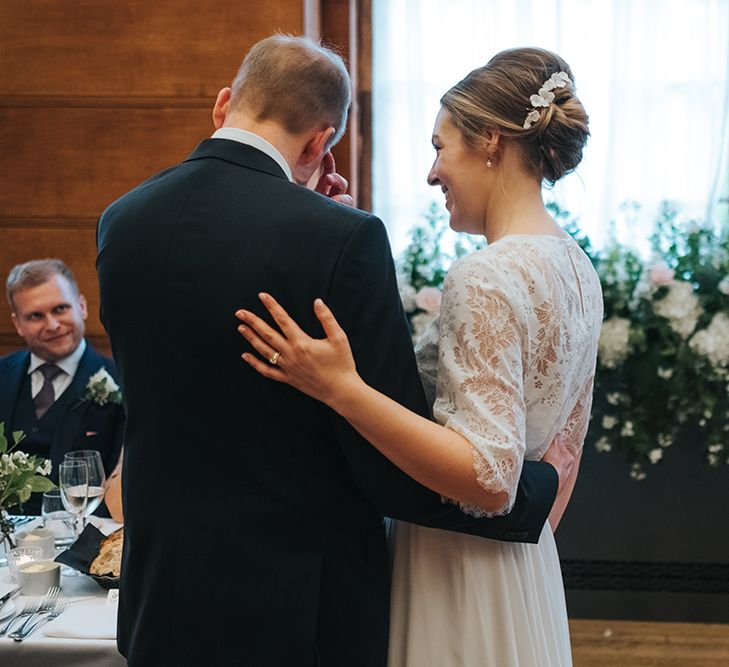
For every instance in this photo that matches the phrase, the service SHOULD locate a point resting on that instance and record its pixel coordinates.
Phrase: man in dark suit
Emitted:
(246, 502)
(44, 389)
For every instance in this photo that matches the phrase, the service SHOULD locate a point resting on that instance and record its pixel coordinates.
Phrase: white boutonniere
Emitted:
(102, 389)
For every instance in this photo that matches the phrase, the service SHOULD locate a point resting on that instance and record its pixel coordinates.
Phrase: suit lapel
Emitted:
(16, 367)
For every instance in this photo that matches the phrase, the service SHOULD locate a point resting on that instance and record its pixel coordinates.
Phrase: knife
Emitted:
(7, 597)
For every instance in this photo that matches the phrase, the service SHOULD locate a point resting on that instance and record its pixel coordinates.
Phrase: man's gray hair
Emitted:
(295, 81)
(34, 273)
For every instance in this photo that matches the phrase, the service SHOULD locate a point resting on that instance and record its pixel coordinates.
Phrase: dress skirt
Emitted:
(464, 601)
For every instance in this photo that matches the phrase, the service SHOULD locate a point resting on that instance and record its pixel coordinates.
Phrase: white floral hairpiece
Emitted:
(545, 96)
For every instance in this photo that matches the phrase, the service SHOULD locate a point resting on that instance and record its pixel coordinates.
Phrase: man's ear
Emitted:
(317, 146)
(83, 306)
(220, 110)
(16, 323)
(311, 156)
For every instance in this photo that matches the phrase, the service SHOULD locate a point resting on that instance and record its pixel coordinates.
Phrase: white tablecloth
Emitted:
(39, 650)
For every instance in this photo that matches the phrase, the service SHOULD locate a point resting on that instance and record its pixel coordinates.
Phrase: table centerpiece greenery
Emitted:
(20, 475)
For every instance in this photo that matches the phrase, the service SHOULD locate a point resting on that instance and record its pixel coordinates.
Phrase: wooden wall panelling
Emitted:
(70, 162)
(97, 95)
(363, 26)
(108, 48)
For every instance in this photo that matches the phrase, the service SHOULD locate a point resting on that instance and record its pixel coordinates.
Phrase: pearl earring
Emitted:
(488, 163)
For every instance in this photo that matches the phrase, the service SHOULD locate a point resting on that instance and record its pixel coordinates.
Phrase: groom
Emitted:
(254, 515)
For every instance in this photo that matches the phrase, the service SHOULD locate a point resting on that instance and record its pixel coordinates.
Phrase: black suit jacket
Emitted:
(241, 494)
(82, 424)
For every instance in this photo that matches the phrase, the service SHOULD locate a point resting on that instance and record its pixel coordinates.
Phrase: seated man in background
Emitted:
(59, 391)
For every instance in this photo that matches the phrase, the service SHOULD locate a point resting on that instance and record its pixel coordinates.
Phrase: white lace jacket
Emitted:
(510, 361)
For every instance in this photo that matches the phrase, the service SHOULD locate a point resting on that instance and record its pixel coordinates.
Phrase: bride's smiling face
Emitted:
(462, 175)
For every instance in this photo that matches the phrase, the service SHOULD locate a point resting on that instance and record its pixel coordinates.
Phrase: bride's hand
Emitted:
(322, 368)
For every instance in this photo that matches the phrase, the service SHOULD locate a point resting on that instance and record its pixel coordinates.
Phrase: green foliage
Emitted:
(425, 262)
(20, 474)
(670, 378)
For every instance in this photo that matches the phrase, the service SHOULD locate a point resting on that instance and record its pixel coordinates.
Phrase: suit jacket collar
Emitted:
(237, 153)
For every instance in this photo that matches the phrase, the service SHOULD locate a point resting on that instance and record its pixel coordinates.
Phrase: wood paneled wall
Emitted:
(97, 95)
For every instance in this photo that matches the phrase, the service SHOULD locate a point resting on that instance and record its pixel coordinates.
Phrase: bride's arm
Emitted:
(437, 457)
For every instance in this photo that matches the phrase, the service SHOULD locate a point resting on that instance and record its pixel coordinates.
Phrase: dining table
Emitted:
(84, 635)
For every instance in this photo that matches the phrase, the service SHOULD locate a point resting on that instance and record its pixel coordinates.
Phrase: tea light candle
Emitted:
(20, 555)
(40, 537)
(36, 577)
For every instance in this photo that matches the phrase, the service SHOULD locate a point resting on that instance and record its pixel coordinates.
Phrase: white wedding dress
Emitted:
(508, 364)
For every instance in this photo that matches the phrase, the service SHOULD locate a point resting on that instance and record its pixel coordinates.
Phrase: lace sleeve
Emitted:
(480, 376)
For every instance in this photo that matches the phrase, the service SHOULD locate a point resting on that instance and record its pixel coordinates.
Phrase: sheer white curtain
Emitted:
(652, 74)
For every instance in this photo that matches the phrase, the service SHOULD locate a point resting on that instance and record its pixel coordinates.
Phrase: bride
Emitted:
(508, 365)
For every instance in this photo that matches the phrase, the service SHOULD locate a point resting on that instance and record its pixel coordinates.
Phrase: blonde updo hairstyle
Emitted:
(495, 97)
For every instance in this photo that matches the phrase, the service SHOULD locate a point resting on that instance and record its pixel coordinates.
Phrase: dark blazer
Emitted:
(77, 423)
(242, 495)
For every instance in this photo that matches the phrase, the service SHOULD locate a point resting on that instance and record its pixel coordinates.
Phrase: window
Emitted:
(652, 74)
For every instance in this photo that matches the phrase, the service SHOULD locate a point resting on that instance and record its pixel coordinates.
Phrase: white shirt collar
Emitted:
(68, 365)
(256, 141)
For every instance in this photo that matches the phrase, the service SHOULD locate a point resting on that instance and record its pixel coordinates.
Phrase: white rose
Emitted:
(603, 445)
(429, 299)
(724, 285)
(627, 430)
(608, 422)
(613, 397)
(664, 373)
(681, 307)
(613, 346)
(713, 341)
(636, 472)
(655, 455)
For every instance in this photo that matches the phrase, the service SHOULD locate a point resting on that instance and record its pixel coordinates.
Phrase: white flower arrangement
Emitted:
(101, 388)
(680, 306)
(20, 475)
(663, 359)
(614, 344)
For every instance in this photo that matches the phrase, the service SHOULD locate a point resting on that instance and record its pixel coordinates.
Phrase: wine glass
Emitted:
(97, 477)
(73, 480)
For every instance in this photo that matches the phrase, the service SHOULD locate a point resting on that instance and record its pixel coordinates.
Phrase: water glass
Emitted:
(20, 555)
(56, 518)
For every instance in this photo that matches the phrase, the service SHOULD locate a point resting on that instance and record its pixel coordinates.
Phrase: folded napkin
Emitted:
(84, 621)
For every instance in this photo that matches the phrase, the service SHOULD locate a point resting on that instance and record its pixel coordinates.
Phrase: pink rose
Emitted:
(660, 274)
(428, 299)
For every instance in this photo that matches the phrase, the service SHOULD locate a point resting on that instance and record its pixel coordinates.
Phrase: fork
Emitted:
(58, 608)
(44, 605)
(29, 607)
